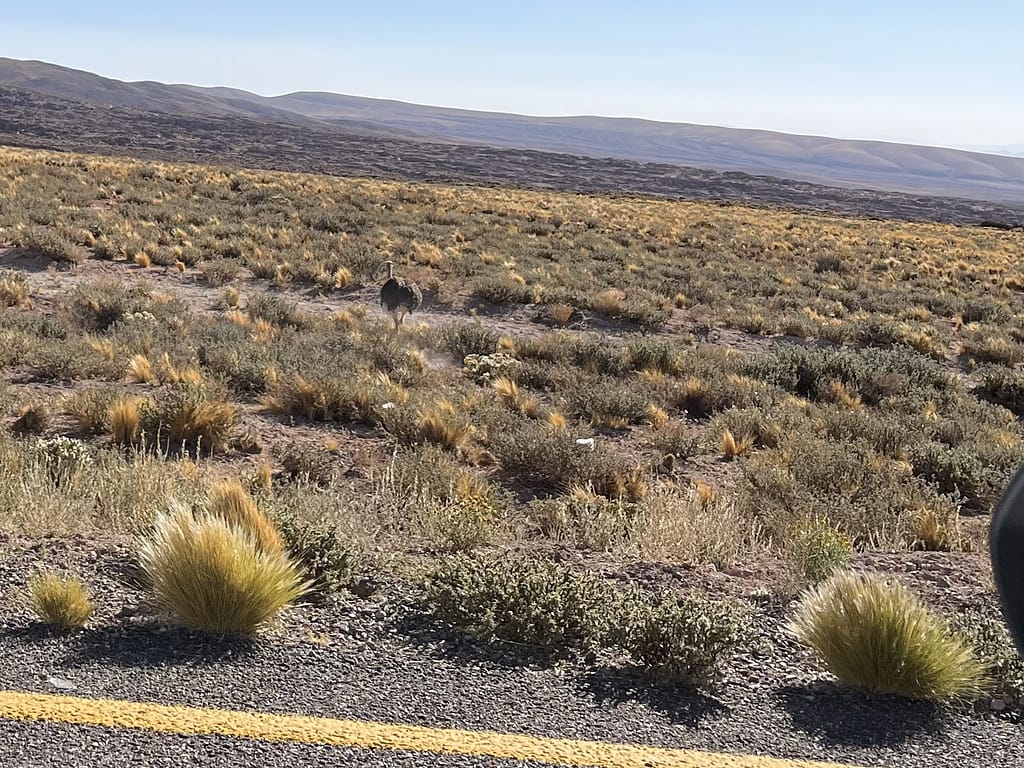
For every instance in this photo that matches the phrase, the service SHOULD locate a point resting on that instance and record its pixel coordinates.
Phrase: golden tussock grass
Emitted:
(732, 447)
(124, 418)
(216, 576)
(140, 370)
(60, 601)
(230, 501)
(876, 635)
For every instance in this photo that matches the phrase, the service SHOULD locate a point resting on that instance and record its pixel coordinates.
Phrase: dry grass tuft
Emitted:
(124, 417)
(60, 601)
(229, 501)
(140, 370)
(877, 636)
(441, 426)
(694, 526)
(733, 447)
(216, 576)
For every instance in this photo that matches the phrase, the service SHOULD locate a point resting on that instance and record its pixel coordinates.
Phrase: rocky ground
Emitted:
(380, 658)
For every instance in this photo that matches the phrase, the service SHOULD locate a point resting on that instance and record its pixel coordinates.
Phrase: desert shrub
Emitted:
(877, 636)
(677, 440)
(215, 576)
(751, 424)
(830, 262)
(274, 310)
(992, 348)
(14, 288)
(985, 629)
(681, 639)
(189, 417)
(960, 472)
(647, 311)
(701, 398)
(326, 562)
(49, 243)
(1003, 387)
(547, 458)
(100, 304)
(521, 600)
(816, 549)
(843, 480)
(978, 309)
(89, 408)
(608, 401)
(220, 271)
(463, 523)
(60, 601)
(936, 528)
(586, 520)
(245, 365)
(489, 368)
(874, 374)
(439, 423)
(656, 355)
(695, 525)
(469, 339)
(309, 463)
(68, 360)
(877, 332)
(426, 469)
(63, 457)
(33, 418)
(503, 289)
(888, 436)
(326, 397)
(596, 356)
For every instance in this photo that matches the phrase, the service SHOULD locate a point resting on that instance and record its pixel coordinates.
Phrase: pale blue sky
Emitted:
(945, 73)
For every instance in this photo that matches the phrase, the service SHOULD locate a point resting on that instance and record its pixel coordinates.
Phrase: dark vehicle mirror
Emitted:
(1006, 544)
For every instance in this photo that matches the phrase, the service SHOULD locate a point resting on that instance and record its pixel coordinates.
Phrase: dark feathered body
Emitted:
(399, 292)
(399, 295)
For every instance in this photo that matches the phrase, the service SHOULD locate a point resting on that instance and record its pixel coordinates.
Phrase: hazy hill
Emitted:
(875, 164)
(838, 163)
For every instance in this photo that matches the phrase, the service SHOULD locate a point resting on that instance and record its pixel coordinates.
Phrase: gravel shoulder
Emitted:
(377, 659)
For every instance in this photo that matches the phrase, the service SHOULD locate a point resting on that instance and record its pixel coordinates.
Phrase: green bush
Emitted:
(326, 562)
(607, 401)
(877, 636)
(503, 289)
(469, 339)
(548, 458)
(1003, 387)
(522, 600)
(464, 523)
(100, 304)
(190, 417)
(816, 549)
(959, 471)
(986, 630)
(682, 639)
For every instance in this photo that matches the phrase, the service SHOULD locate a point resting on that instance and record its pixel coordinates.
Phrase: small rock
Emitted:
(60, 682)
(998, 705)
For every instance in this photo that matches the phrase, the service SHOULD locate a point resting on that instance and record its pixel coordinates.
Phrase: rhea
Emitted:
(399, 295)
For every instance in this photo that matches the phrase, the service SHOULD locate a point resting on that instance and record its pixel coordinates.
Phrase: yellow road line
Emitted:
(369, 735)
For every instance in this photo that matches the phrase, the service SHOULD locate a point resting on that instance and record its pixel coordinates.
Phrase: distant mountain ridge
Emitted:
(877, 165)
